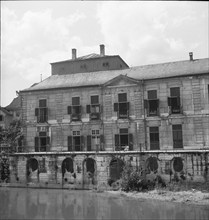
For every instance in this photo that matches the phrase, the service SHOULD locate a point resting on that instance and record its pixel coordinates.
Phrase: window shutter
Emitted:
(36, 144)
(82, 143)
(130, 140)
(80, 109)
(70, 143)
(89, 143)
(47, 143)
(127, 104)
(169, 101)
(99, 106)
(69, 110)
(145, 104)
(88, 110)
(48, 140)
(117, 141)
(36, 111)
(101, 139)
(115, 107)
(178, 101)
(46, 113)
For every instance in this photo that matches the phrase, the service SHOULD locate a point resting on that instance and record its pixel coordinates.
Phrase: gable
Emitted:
(121, 80)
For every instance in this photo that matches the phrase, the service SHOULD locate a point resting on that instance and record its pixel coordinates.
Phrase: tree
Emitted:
(12, 137)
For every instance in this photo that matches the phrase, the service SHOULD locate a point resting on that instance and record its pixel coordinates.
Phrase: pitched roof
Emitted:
(146, 72)
(5, 111)
(14, 105)
(86, 57)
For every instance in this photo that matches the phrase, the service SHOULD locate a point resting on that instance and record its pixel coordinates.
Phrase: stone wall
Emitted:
(50, 170)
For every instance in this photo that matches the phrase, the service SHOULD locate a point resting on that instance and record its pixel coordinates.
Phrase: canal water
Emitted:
(27, 203)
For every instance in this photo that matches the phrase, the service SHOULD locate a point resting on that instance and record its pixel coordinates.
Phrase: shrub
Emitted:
(133, 180)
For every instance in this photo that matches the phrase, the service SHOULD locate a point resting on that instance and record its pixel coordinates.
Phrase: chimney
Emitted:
(191, 56)
(102, 50)
(73, 54)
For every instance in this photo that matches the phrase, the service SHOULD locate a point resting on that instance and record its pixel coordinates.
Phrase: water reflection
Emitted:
(64, 204)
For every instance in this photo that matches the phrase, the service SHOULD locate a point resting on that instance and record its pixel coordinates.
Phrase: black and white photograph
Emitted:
(104, 110)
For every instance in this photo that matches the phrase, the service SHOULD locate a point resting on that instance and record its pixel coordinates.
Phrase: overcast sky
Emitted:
(35, 34)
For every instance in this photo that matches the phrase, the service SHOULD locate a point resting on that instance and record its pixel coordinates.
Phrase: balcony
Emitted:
(76, 117)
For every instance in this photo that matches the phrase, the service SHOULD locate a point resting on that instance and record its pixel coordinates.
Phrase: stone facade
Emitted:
(77, 124)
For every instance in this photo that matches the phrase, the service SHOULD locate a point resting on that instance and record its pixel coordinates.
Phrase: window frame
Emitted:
(38, 142)
(154, 134)
(177, 133)
(175, 98)
(152, 97)
(119, 139)
(76, 109)
(120, 105)
(42, 111)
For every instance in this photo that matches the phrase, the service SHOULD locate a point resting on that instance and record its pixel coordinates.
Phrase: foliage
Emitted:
(12, 136)
(4, 169)
(135, 180)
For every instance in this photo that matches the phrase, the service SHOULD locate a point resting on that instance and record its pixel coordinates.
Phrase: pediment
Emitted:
(121, 80)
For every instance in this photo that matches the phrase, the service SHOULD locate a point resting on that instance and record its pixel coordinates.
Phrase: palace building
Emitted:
(95, 113)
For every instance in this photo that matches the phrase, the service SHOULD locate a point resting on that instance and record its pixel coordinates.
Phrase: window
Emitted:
(75, 109)
(174, 100)
(42, 111)
(95, 141)
(123, 140)
(94, 108)
(122, 107)
(106, 64)
(177, 136)
(42, 142)
(75, 142)
(152, 104)
(1, 117)
(154, 138)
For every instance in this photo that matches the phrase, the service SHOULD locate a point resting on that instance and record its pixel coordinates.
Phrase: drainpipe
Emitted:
(145, 122)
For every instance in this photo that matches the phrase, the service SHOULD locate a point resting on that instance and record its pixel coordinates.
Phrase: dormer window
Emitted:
(75, 109)
(83, 66)
(106, 64)
(94, 108)
(174, 100)
(42, 111)
(122, 107)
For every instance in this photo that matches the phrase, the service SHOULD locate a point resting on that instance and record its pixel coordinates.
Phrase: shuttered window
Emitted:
(154, 138)
(42, 112)
(177, 136)
(123, 140)
(174, 100)
(42, 142)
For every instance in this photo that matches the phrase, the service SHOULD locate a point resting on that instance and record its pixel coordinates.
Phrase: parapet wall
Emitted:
(87, 170)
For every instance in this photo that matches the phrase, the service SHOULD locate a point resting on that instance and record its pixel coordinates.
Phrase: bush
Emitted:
(130, 179)
(133, 180)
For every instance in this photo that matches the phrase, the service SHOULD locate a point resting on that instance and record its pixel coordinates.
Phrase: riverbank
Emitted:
(189, 197)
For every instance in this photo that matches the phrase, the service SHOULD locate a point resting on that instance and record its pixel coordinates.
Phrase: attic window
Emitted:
(106, 64)
(83, 66)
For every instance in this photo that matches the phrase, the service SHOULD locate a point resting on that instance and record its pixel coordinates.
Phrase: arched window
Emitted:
(152, 164)
(67, 165)
(178, 164)
(32, 164)
(90, 165)
(116, 169)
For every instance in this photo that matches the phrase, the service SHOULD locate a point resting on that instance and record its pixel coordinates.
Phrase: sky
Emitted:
(37, 33)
